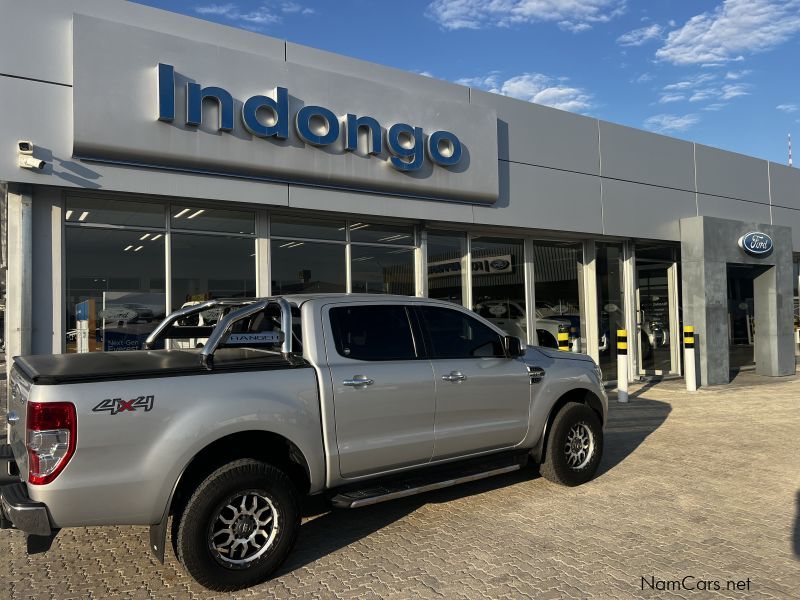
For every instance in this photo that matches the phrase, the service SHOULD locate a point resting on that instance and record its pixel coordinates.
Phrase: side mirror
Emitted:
(513, 346)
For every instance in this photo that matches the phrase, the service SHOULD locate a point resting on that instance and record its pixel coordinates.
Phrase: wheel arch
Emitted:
(579, 395)
(257, 444)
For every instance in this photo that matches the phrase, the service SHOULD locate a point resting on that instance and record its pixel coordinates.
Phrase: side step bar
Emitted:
(417, 485)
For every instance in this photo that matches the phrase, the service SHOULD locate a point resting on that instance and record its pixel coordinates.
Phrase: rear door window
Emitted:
(373, 332)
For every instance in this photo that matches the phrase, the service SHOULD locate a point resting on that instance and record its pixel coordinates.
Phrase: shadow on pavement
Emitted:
(628, 426)
(335, 529)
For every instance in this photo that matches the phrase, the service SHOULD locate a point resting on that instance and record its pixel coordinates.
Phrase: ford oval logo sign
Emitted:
(756, 243)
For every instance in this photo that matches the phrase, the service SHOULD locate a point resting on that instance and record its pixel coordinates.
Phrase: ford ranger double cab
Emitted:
(357, 398)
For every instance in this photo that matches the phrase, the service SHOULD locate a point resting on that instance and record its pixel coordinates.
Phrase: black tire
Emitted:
(252, 480)
(573, 469)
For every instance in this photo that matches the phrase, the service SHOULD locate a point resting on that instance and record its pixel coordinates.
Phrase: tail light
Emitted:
(51, 429)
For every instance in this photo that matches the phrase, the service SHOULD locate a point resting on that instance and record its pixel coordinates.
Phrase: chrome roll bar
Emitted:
(178, 314)
(223, 327)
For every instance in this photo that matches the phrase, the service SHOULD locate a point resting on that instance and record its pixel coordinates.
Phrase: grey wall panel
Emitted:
(540, 135)
(116, 66)
(784, 186)
(646, 211)
(41, 113)
(728, 208)
(535, 197)
(336, 63)
(724, 173)
(635, 155)
(790, 218)
(44, 29)
(377, 205)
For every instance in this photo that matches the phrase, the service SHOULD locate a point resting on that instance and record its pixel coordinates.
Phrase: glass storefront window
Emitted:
(115, 288)
(303, 266)
(446, 266)
(103, 211)
(378, 233)
(610, 305)
(498, 283)
(377, 270)
(303, 227)
(211, 219)
(205, 267)
(557, 276)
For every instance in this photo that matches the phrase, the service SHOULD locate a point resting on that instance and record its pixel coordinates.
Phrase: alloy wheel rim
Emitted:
(579, 446)
(243, 529)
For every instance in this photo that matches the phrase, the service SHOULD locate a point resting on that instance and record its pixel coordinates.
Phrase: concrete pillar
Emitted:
(708, 246)
(774, 343)
(19, 275)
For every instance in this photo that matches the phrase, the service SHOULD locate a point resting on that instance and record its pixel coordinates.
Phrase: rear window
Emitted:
(373, 332)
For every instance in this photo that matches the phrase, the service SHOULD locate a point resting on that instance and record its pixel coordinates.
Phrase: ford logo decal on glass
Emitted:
(756, 243)
(500, 264)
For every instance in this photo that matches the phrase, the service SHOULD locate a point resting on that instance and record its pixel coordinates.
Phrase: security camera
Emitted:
(28, 162)
(26, 159)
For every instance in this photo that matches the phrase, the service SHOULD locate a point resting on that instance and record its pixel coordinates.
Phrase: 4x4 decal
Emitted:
(118, 405)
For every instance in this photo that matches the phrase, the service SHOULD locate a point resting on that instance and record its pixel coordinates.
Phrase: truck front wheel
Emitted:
(574, 446)
(238, 526)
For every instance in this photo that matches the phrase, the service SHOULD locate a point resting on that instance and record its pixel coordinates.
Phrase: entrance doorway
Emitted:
(657, 315)
(741, 316)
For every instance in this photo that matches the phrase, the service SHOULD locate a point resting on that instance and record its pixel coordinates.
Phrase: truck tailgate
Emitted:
(17, 415)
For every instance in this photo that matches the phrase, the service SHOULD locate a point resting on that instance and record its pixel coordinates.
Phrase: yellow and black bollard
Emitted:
(689, 359)
(622, 365)
(563, 341)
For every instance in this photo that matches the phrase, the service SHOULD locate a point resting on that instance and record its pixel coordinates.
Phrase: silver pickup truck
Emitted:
(359, 398)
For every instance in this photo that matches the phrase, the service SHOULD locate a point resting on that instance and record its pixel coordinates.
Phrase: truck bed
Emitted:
(55, 369)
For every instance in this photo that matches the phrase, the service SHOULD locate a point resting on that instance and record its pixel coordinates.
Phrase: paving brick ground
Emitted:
(703, 485)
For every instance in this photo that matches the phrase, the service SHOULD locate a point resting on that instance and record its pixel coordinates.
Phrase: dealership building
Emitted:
(149, 160)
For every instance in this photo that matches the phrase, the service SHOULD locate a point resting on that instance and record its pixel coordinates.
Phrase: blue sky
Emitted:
(719, 72)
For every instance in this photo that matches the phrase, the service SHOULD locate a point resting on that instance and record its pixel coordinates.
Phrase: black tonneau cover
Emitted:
(50, 369)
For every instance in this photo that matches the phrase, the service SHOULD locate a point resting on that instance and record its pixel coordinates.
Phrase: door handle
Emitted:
(454, 376)
(358, 381)
(12, 417)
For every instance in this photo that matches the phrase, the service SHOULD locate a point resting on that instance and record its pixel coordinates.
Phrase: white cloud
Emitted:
(643, 78)
(690, 82)
(715, 106)
(665, 123)
(572, 15)
(637, 37)
(736, 75)
(267, 13)
(788, 108)
(733, 29)
(704, 87)
(535, 87)
(669, 97)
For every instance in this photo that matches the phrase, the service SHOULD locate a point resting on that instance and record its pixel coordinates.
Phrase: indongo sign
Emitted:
(315, 125)
(756, 244)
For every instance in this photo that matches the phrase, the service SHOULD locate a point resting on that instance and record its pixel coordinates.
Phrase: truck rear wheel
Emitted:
(574, 446)
(238, 526)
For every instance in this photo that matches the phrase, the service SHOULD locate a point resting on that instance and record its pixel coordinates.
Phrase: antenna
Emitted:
(790, 149)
